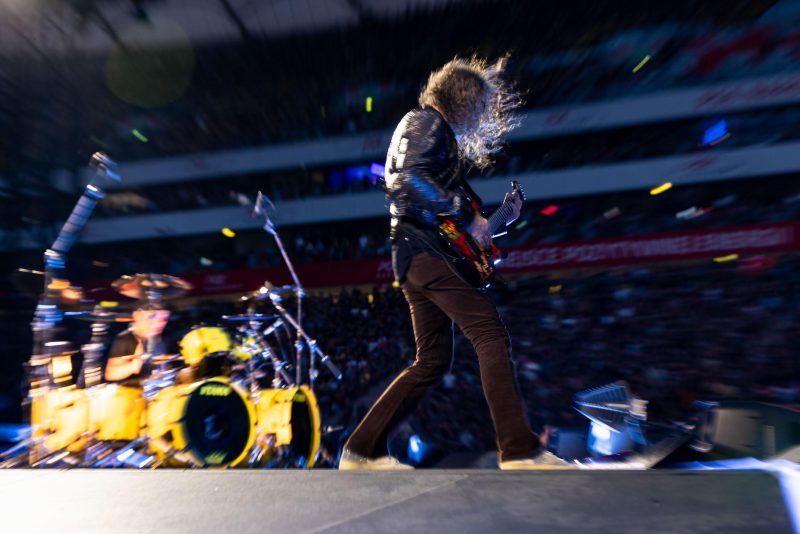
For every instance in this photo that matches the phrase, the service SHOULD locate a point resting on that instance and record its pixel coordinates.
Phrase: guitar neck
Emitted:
(498, 219)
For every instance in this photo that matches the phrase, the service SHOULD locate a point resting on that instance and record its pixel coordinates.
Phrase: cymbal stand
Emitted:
(312, 343)
(279, 365)
(91, 368)
(271, 229)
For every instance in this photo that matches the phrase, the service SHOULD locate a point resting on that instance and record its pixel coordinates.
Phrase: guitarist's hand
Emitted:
(516, 204)
(479, 229)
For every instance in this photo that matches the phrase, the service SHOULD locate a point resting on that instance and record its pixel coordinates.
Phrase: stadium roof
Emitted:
(94, 25)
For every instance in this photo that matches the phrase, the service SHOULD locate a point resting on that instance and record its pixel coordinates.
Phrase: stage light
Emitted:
(417, 450)
(414, 444)
(108, 304)
(613, 212)
(554, 289)
(369, 104)
(661, 188)
(227, 232)
(729, 257)
(205, 262)
(716, 133)
(549, 210)
(395, 284)
(139, 135)
(378, 169)
(521, 225)
(641, 63)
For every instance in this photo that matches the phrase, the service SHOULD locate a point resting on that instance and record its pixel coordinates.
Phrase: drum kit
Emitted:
(209, 405)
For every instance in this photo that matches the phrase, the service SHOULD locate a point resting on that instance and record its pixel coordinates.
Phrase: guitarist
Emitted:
(464, 110)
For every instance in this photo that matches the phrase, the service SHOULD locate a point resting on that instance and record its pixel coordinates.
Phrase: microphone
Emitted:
(104, 166)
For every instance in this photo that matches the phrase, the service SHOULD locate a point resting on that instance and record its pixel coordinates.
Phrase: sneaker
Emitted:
(543, 460)
(354, 462)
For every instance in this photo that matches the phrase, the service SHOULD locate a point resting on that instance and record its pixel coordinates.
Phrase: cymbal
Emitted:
(151, 286)
(250, 317)
(268, 290)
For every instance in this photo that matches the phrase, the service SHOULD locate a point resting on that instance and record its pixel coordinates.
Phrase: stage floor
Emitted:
(440, 501)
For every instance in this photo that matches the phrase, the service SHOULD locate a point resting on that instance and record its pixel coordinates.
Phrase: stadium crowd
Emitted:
(755, 128)
(707, 205)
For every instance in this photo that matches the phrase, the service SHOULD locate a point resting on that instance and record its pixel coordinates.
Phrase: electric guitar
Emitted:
(468, 259)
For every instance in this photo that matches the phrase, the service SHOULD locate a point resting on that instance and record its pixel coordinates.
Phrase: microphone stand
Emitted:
(48, 316)
(272, 230)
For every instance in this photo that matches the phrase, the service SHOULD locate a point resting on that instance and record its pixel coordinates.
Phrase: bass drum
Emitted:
(61, 418)
(116, 413)
(290, 418)
(209, 424)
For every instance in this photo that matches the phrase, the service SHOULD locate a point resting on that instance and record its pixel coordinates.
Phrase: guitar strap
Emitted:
(470, 192)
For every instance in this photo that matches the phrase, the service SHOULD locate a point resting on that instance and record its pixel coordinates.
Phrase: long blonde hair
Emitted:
(477, 103)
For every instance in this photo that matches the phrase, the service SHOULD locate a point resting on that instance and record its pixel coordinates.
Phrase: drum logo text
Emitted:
(215, 458)
(214, 390)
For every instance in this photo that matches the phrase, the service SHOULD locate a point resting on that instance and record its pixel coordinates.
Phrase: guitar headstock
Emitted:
(516, 189)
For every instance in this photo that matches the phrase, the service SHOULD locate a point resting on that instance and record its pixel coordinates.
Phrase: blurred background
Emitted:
(659, 150)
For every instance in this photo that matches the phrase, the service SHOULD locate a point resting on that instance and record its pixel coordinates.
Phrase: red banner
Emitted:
(670, 246)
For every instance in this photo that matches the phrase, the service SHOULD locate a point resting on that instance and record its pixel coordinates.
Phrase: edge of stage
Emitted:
(122, 500)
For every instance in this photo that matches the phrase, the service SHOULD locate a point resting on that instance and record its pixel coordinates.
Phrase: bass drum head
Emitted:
(218, 424)
(289, 420)
(303, 428)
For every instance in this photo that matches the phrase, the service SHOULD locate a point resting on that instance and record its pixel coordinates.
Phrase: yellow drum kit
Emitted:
(186, 413)
(204, 407)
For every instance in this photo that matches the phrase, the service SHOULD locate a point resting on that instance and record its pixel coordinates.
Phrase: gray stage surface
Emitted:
(422, 501)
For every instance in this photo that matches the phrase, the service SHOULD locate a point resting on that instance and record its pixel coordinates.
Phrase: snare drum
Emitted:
(292, 416)
(116, 413)
(61, 417)
(211, 422)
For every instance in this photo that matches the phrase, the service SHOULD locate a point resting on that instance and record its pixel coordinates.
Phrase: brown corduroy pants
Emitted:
(437, 298)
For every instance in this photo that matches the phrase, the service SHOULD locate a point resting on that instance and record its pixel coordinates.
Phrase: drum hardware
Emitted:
(253, 343)
(311, 343)
(19, 454)
(101, 318)
(127, 456)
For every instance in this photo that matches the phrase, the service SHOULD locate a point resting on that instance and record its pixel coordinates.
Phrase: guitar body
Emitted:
(466, 257)
(471, 262)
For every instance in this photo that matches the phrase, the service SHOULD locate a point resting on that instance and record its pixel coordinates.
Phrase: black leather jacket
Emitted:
(424, 182)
